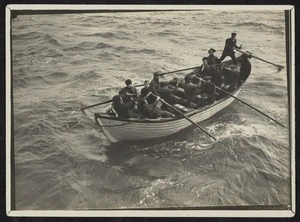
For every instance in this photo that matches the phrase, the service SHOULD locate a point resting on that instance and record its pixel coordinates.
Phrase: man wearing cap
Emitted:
(191, 91)
(154, 84)
(152, 111)
(205, 69)
(230, 44)
(209, 72)
(128, 92)
(231, 77)
(124, 110)
(212, 59)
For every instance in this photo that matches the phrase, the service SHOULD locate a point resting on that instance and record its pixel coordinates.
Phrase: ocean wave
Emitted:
(106, 56)
(256, 24)
(166, 22)
(165, 33)
(28, 35)
(80, 61)
(134, 51)
(57, 146)
(38, 36)
(24, 81)
(102, 45)
(53, 41)
(262, 26)
(56, 78)
(73, 48)
(88, 75)
(111, 35)
(50, 52)
(59, 74)
(86, 44)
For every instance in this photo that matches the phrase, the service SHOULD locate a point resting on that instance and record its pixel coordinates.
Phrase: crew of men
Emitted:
(197, 89)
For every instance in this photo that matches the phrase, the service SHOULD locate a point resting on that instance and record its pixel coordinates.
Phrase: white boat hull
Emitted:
(122, 130)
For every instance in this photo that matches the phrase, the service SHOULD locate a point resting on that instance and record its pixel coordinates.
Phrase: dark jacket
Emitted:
(190, 90)
(166, 93)
(123, 109)
(229, 44)
(212, 59)
(148, 111)
(154, 85)
(131, 90)
(145, 91)
(205, 72)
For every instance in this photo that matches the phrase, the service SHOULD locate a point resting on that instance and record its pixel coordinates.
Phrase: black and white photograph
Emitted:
(145, 110)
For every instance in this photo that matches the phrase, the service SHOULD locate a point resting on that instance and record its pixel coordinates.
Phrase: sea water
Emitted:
(62, 62)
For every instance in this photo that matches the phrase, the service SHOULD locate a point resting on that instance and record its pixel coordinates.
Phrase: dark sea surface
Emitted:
(62, 159)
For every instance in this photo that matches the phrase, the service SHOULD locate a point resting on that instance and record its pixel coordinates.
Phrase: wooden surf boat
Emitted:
(129, 129)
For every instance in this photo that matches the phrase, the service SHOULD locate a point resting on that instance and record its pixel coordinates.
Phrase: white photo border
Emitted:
(146, 213)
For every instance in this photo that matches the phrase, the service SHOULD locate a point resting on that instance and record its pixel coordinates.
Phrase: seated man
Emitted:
(124, 110)
(154, 84)
(146, 89)
(231, 77)
(167, 92)
(204, 70)
(191, 90)
(208, 92)
(128, 92)
(216, 76)
(245, 69)
(151, 111)
(210, 73)
(211, 58)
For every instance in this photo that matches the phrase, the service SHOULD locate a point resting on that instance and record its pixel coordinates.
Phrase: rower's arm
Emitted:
(235, 46)
(146, 96)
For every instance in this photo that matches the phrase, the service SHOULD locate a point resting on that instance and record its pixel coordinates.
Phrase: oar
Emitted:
(187, 118)
(161, 74)
(227, 93)
(102, 103)
(250, 106)
(97, 104)
(279, 66)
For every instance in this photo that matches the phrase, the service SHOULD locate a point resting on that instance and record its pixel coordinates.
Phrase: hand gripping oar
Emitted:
(161, 74)
(102, 103)
(187, 118)
(279, 66)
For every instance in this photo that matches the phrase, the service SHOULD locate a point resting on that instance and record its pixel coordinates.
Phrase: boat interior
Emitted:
(243, 67)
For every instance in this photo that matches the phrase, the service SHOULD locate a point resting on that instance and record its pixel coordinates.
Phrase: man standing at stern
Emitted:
(230, 44)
